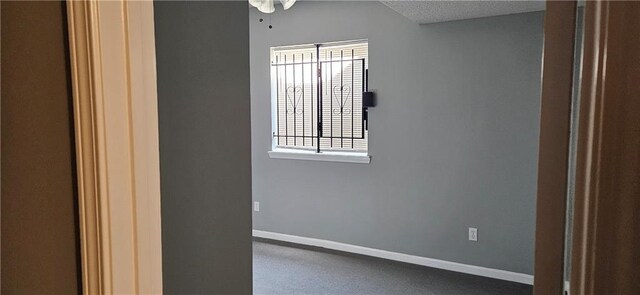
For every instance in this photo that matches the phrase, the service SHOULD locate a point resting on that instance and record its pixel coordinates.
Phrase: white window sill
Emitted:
(344, 157)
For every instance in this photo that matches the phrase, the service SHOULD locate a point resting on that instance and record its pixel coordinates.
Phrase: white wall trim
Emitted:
(112, 52)
(424, 261)
(361, 158)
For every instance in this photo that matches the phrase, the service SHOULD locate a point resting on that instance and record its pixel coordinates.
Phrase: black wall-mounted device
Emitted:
(368, 99)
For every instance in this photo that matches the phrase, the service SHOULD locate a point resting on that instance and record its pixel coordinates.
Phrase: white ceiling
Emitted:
(425, 12)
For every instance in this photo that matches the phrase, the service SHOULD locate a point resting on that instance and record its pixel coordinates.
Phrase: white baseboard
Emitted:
(430, 262)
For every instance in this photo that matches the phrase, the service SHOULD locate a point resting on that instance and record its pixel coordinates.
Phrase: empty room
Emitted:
(394, 146)
(279, 147)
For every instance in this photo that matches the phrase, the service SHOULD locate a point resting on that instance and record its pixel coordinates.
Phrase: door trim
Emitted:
(112, 50)
(606, 230)
(553, 154)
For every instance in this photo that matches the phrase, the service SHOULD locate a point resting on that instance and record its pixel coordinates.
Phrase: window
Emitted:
(317, 95)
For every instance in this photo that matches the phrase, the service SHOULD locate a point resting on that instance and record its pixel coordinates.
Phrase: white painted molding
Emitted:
(360, 158)
(113, 73)
(424, 261)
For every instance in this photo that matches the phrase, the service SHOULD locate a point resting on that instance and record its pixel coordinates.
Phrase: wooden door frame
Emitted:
(606, 231)
(112, 50)
(553, 152)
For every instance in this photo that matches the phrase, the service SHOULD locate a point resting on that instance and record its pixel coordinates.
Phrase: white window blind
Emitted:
(319, 113)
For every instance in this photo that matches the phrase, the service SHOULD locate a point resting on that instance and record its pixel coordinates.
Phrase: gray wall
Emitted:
(453, 139)
(203, 94)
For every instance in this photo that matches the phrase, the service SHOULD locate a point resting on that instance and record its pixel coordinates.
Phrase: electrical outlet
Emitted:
(256, 206)
(473, 234)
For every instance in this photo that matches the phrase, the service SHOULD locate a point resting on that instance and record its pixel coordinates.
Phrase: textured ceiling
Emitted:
(425, 12)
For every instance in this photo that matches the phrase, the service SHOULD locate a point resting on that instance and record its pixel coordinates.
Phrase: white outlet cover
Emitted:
(473, 234)
(256, 206)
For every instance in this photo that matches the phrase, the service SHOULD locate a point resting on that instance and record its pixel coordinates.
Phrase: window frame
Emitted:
(280, 152)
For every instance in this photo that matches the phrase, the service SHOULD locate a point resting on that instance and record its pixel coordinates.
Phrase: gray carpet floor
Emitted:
(281, 268)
